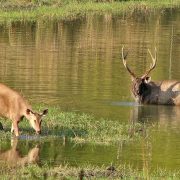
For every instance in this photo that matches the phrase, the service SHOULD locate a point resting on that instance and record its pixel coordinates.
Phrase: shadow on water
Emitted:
(27, 133)
(64, 132)
(131, 104)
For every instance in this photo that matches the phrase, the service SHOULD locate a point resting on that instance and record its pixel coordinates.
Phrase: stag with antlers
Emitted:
(145, 91)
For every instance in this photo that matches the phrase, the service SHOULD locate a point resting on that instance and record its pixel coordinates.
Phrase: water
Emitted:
(76, 65)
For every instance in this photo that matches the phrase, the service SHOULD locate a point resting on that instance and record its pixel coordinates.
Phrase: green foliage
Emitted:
(68, 9)
(81, 128)
(86, 171)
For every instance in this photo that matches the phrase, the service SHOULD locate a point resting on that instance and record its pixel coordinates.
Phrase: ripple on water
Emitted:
(121, 103)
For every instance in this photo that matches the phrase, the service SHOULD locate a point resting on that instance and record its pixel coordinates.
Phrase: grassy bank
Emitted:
(85, 172)
(80, 128)
(63, 9)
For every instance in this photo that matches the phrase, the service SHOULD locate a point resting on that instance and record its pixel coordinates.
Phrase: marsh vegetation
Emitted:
(65, 56)
(63, 9)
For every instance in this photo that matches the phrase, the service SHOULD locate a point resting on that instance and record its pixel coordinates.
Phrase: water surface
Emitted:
(76, 65)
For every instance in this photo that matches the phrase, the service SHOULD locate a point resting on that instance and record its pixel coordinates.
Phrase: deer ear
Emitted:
(132, 78)
(28, 112)
(45, 112)
(147, 79)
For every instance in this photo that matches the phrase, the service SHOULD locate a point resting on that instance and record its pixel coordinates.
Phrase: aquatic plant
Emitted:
(62, 9)
(85, 171)
(81, 127)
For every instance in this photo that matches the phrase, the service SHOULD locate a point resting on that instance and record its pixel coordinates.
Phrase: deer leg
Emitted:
(1, 126)
(14, 142)
(12, 128)
(15, 128)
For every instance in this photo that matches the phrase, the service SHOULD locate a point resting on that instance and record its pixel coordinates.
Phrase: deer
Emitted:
(15, 107)
(146, 91)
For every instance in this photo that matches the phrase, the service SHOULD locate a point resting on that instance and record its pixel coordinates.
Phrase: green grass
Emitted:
(81, 128)
(86, 171)
(78, 127)
(63, 9)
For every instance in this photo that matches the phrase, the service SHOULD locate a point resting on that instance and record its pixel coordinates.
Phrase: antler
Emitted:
(124, 62)
(154, 59)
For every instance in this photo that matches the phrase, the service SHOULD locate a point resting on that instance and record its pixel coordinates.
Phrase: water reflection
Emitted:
(54, 151)
(13, 156)
(162, 115)
(161, 146)
(76, 65)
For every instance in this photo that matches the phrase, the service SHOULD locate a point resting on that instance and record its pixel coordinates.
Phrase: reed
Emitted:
(85, 171)
(62, 9)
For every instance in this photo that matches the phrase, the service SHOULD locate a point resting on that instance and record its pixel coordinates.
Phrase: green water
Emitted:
(76, 65)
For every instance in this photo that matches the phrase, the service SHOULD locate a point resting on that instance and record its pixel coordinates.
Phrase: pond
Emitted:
(76, 65)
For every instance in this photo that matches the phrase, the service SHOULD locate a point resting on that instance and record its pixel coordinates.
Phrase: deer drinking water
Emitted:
(145, 91)
(15, 107)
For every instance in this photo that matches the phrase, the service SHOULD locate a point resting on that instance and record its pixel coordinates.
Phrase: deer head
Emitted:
(140, 85)
(36, 119)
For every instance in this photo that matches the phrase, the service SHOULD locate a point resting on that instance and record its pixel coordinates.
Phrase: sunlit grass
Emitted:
(72, 9)
(80, 127)
(87, 171)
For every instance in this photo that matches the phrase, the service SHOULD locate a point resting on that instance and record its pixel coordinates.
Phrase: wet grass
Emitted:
(85, 172)
(81, 128)
(63, 9)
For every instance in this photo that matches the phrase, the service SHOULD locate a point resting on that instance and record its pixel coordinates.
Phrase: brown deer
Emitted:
(13, 157)
(145, 91)
(15, 107)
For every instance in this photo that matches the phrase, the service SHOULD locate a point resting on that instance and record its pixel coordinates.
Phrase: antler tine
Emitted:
(154, 59)
(124, 62)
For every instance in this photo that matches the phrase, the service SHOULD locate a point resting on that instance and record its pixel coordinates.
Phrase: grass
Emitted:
(62, 9)
(81, 128)
(86, 171)
(78, 127)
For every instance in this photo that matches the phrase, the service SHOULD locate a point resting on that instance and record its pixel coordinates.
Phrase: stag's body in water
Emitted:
(15, 107)
(145, 91)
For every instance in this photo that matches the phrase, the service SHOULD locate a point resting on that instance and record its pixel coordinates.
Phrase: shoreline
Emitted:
(66, 11)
